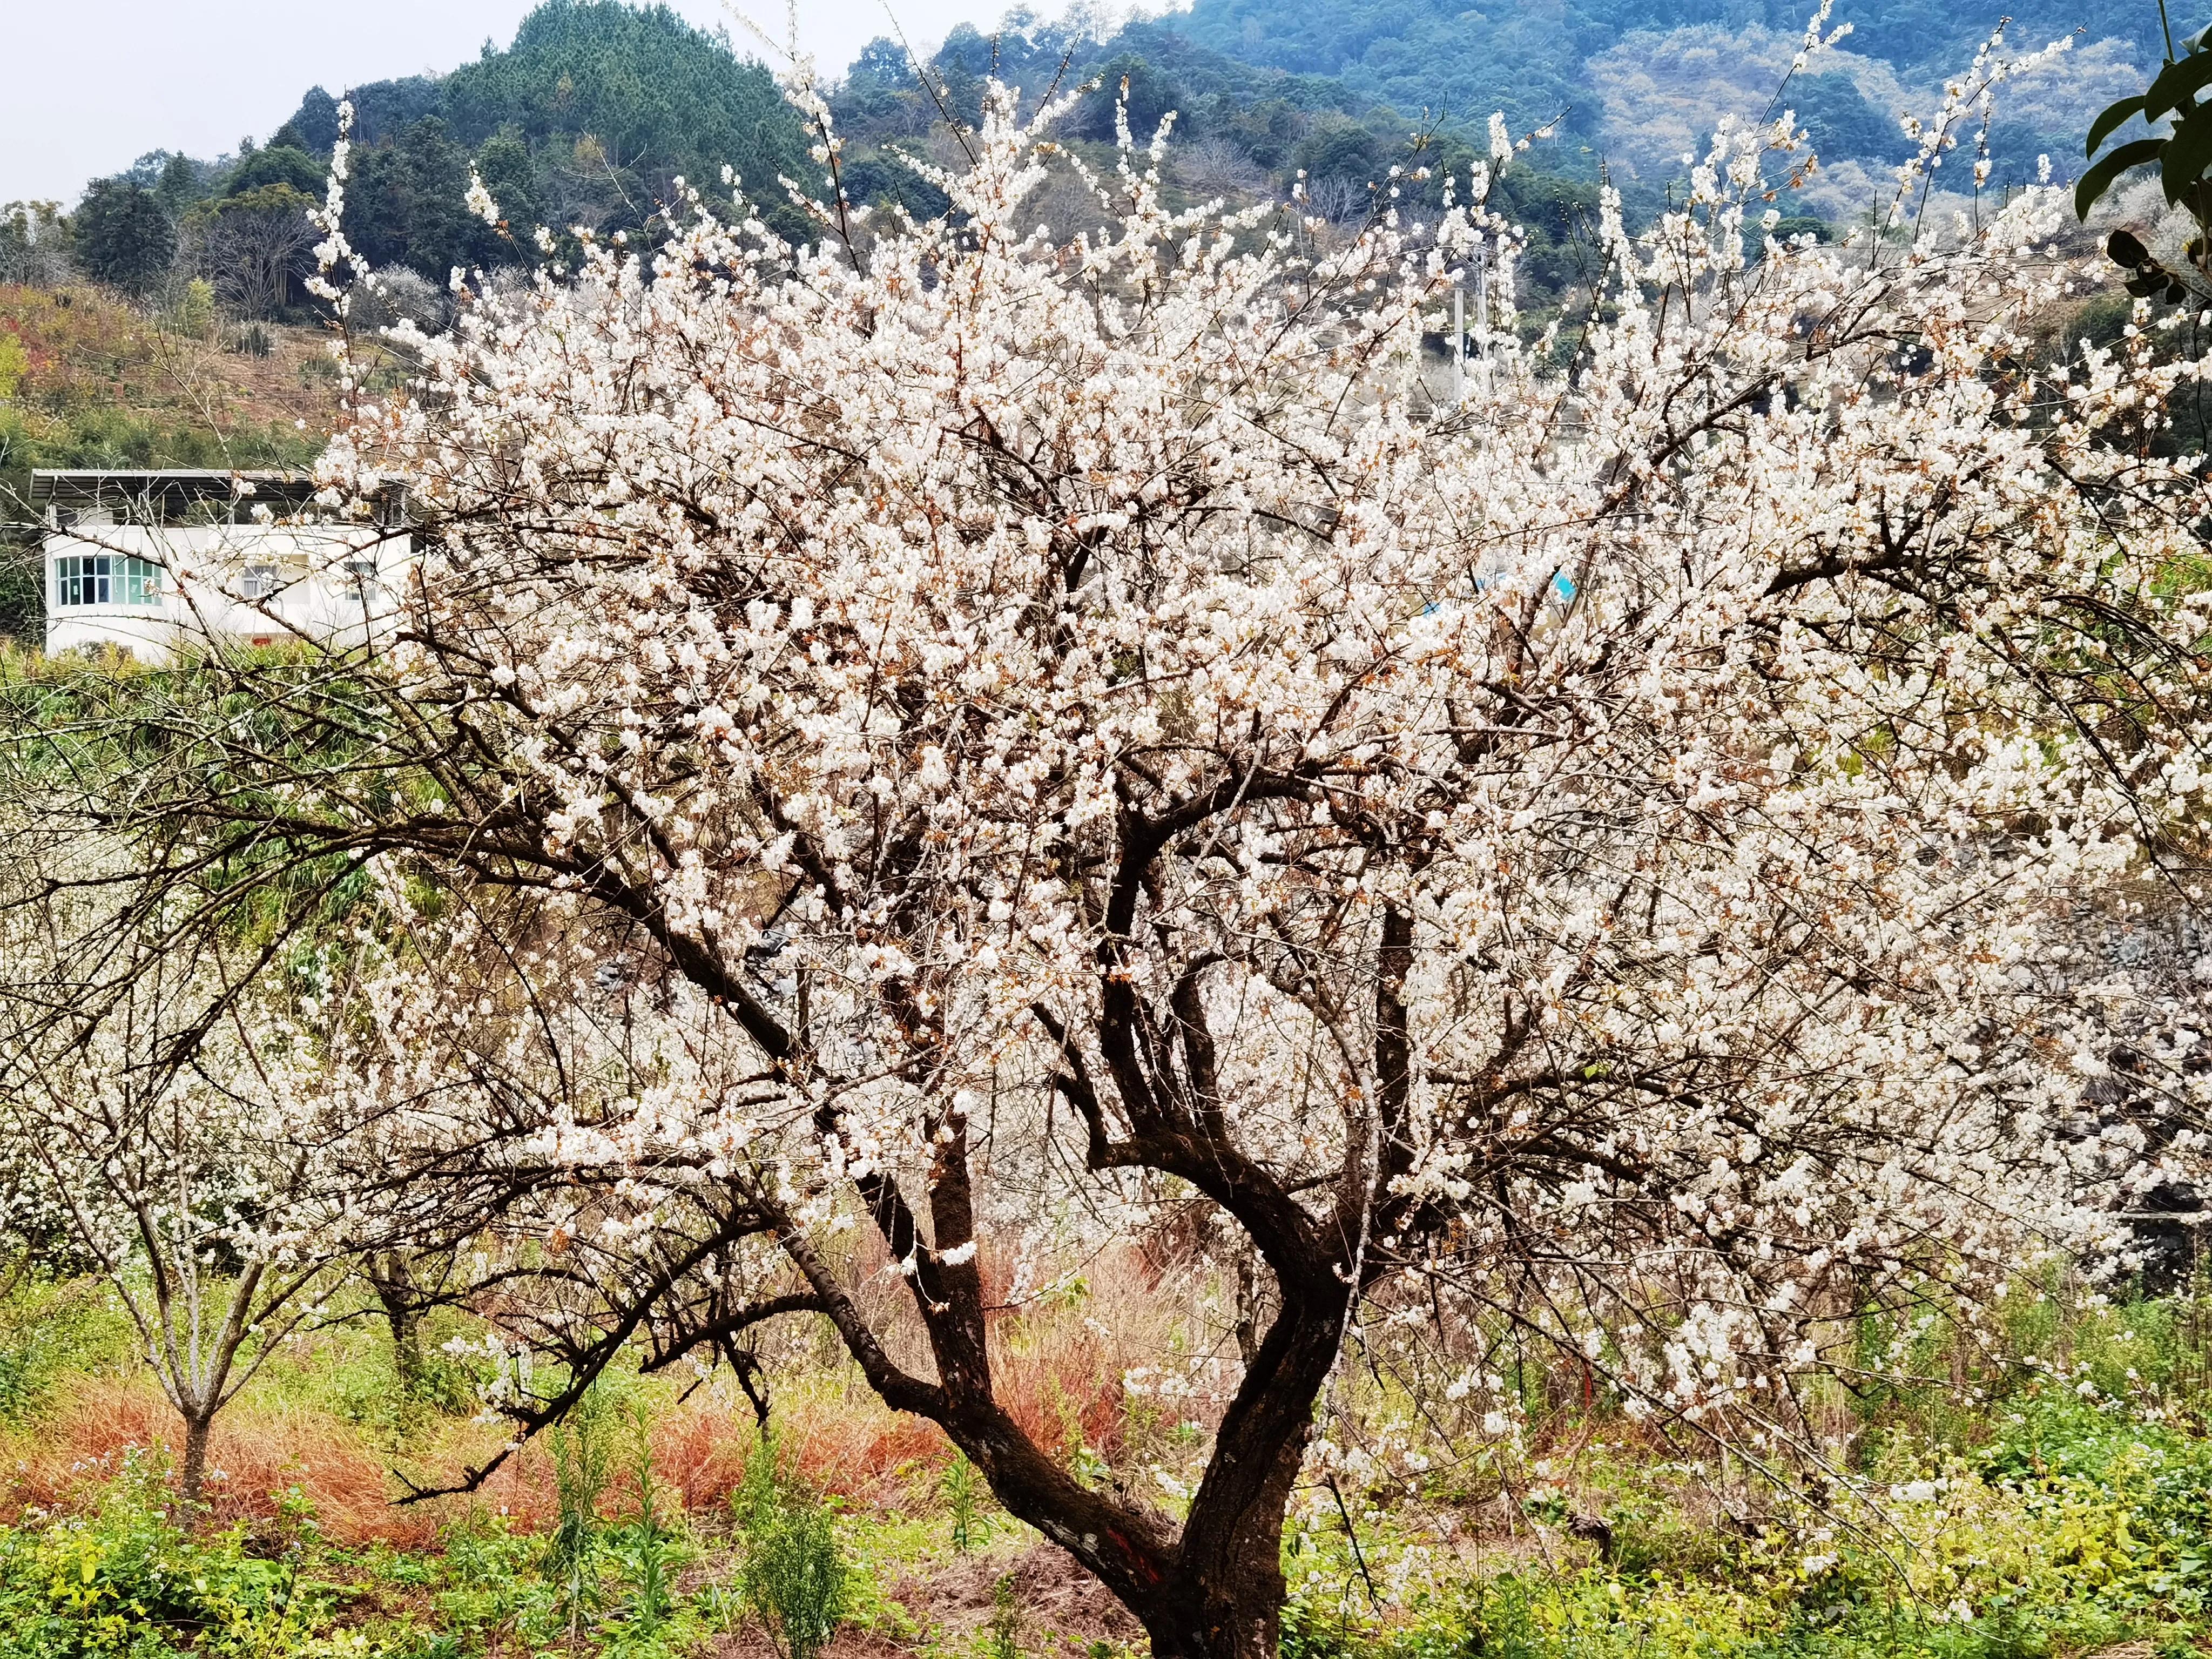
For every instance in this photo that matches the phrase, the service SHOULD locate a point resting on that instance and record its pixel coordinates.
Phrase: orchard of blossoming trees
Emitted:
(909, 754)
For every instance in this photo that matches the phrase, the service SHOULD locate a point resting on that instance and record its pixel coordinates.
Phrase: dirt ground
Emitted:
(1060, 1609)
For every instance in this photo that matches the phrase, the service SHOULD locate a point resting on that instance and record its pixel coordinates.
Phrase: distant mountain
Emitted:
(1264, 89)
(1617, 70)
(1530, 56)
(1241, 130)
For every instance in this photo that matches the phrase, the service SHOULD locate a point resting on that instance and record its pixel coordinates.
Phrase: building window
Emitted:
(259, 582)
(106, 579)
(361, 573)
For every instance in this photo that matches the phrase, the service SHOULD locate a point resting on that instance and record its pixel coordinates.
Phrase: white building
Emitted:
(147, 562)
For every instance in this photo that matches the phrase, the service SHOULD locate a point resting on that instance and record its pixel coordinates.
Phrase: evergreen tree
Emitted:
(180, 185)
(124, 237)
(661, 97)
(408, 204)
(315, 125)
(382, 110)
(276, 164)
(504, 165)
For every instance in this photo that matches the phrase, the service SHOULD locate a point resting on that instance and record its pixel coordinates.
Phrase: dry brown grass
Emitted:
(85, 346)
(261, 1449)
(844, 1439)
(1059, 1364)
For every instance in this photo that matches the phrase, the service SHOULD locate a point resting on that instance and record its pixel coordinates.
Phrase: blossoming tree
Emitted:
(161, 1111)
(1573, 862)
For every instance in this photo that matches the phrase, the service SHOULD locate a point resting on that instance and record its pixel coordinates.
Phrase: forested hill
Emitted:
(1631, 86)
(587, 118)
(593, 110)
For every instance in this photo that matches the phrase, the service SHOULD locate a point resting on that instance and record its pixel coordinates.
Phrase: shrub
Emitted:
(795, 1578)
(127, 1579)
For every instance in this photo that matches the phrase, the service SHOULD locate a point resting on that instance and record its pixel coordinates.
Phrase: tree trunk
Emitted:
(1217, 1591)
(407, 1349)
(191, 1470)
(1225, 1598)
(1232, 1611)
(392, 1279)
(1248, 1306)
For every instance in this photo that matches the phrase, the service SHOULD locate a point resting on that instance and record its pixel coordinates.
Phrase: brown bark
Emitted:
(1225, 1600)
(1248, 1308)
(392, 1277)
(191, 1466)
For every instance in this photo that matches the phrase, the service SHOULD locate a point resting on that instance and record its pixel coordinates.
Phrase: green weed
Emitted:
(963, 1496)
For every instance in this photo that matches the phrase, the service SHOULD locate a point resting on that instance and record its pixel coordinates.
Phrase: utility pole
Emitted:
(1482, 314)
(1459, 345)
(1481, 330)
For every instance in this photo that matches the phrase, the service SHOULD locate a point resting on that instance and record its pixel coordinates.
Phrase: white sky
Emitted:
(91, 85)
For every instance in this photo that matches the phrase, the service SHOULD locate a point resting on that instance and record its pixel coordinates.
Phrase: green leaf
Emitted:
(2111, 121)
(2099, 179)
(2174, 83)
(2125, 248)
(2187, 154)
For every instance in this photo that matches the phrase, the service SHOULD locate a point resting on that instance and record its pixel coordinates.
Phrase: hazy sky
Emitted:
(91, 85)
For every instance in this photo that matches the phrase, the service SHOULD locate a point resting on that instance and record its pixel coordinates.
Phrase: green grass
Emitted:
(2048, 1495)
(2082, 1523)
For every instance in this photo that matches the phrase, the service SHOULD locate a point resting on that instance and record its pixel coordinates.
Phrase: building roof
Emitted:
(169, 488)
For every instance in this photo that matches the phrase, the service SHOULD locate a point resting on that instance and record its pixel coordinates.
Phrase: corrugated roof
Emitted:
(89, 486)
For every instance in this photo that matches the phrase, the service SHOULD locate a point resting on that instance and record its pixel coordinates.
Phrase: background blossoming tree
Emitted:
(1084, 727)
(161, 1117)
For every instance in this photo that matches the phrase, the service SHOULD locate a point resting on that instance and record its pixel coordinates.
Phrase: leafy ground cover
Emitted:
(2053, 1500)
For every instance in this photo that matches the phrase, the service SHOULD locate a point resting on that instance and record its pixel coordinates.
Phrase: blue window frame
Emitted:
(83, 578)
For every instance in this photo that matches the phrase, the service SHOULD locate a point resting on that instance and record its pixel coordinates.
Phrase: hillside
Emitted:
(86, 380)
(596, 108)
(587, 118)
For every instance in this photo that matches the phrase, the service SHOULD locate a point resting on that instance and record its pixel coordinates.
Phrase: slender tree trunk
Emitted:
(392, 1279)
(191, 1470)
